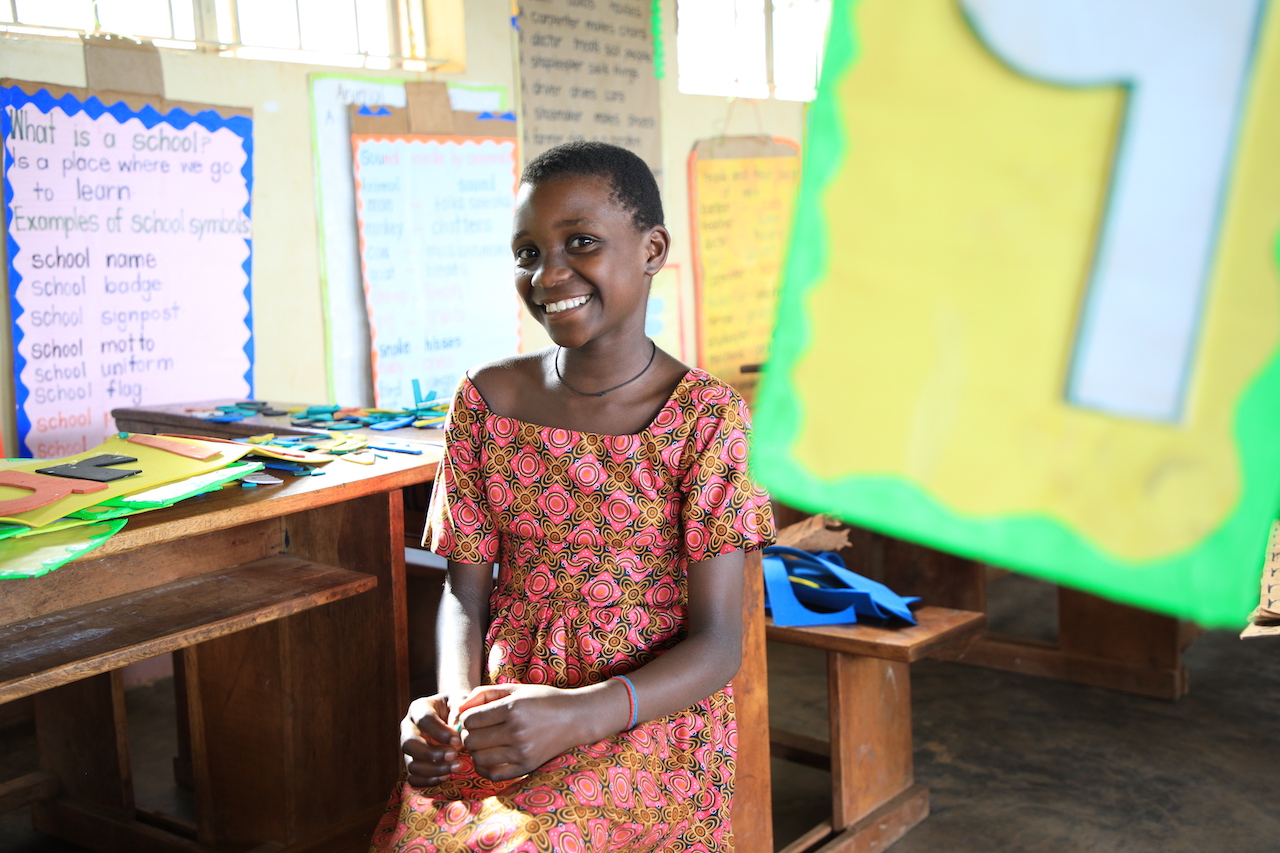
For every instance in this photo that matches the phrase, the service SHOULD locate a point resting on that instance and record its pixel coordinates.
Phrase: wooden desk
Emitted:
(285, 605)
(1100, 643)
(752, 815)
(177, 418)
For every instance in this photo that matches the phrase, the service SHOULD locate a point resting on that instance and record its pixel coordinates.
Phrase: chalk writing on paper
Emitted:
(129, 281)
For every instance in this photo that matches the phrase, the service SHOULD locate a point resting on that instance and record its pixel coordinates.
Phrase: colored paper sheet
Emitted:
(158, 468)
(191, 487)
(33, 556)
(587, 72)
(948, 233)
(129, 258)
(435, 250)
(740, 208)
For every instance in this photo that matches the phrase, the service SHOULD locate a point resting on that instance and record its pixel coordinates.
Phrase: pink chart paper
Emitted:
(129, 262)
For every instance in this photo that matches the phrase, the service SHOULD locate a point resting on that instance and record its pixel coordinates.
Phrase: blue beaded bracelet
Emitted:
(631, 699)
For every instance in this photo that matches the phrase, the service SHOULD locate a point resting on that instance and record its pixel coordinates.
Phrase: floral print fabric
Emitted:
(593, 535)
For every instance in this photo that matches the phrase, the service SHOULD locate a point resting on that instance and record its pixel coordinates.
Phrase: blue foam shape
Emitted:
(395, 423)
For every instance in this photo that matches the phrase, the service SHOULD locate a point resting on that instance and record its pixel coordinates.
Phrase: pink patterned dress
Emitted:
(593, 535)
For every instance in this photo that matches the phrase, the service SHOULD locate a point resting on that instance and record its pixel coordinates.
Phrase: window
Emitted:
(163, 19)
(351, 33)
(723, 47)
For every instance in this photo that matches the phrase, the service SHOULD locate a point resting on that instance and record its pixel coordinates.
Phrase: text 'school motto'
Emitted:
(129, 259)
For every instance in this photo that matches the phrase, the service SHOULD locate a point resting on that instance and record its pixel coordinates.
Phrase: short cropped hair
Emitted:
(634, 187)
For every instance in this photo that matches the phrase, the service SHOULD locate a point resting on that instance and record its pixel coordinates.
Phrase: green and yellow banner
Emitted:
(1031, 306)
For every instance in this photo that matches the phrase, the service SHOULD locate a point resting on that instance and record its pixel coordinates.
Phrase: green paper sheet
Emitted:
(33, 556)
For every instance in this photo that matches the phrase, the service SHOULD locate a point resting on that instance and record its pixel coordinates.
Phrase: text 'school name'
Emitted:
(79, 260)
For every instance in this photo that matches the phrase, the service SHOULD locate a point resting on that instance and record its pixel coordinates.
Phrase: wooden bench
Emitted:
(874, 798)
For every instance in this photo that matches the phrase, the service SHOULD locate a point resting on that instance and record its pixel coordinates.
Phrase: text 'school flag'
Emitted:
(1031, 308)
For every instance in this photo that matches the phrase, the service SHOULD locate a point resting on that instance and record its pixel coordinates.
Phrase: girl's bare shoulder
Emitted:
(504, 383)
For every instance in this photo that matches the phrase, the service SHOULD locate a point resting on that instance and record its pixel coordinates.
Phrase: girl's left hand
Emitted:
(513, 729)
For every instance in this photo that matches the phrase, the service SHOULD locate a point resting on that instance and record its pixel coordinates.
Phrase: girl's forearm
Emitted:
(699, 665)
(681, 677)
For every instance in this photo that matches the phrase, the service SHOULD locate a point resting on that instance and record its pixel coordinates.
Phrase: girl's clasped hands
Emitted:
(508, 730)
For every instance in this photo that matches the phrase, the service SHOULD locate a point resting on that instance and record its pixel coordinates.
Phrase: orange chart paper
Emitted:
(741, 214)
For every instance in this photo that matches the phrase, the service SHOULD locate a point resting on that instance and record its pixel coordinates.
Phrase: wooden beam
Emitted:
(58, 648)
(752, 816)
(28, 789)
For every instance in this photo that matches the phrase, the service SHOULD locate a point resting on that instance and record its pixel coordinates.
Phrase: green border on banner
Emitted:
(1214, 582)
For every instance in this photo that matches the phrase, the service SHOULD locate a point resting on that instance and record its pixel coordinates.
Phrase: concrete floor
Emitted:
(1013, 763)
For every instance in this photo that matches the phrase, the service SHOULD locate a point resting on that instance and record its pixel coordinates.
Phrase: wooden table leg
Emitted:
(1100, 643)
(82, 737)
(752, 799)
(875, 800)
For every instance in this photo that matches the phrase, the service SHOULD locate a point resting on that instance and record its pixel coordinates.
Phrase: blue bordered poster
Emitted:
(129, 259)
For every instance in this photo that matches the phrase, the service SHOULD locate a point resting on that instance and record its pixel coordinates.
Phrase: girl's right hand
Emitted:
(429, 745)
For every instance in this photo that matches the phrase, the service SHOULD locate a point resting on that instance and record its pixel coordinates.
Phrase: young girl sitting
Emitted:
(583, 703)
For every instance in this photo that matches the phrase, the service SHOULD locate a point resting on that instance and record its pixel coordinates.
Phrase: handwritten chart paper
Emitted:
(741, 216)
(346, 326)
(586, 72)
(129, 258)
(435, 249)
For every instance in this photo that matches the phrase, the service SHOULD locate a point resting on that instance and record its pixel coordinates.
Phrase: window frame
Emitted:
(423, 35)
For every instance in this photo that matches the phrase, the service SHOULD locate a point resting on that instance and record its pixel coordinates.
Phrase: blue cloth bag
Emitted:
(796, 581)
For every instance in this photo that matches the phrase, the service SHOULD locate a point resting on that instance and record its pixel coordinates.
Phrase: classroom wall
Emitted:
(288, 317)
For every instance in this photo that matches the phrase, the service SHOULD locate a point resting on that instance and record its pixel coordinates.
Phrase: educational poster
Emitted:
(741, 195)
(1031, 310)
(664, 314)
(435, 248)
(346, 325)
(129, 261)
(587, 72)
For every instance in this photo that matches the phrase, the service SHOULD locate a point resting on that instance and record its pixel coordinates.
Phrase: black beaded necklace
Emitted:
(566, 384)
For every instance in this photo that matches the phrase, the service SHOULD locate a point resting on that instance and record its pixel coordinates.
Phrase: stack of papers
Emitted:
(48, 520)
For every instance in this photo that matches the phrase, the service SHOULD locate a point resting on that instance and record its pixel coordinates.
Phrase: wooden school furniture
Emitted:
(874, 798)
(178, 418)
(1100, 643)
(752, 817)
(285, 608)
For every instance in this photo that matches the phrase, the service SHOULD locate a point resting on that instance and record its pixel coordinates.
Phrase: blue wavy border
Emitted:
(178, 119)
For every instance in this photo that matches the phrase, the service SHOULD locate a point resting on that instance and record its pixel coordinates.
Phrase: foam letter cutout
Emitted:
(1186, 66)
(44, 490)
(94, 468)
(181, 448)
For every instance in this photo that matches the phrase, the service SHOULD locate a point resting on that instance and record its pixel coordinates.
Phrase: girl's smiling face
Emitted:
(582, 265)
